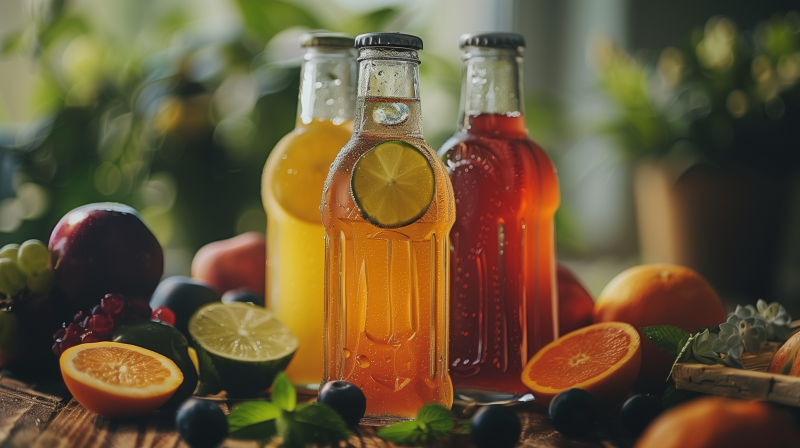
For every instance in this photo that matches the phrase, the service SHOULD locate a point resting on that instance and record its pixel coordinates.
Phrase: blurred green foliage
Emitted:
(720, 95)
(136, 109)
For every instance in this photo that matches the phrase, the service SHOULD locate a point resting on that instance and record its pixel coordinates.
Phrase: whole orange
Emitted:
(575, 304)
(785, 358)
(659, 294)
(716, 422)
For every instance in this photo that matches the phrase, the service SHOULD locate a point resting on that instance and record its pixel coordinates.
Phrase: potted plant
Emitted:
(712, 125)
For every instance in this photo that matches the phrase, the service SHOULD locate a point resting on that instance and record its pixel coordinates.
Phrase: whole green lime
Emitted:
(164, 340)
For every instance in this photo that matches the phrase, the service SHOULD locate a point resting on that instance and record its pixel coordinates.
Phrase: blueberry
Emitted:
(344, 398)
(639, 411)
(243, 295)
(183, 296)
(573, 411)
(496, 427)
(201, 423)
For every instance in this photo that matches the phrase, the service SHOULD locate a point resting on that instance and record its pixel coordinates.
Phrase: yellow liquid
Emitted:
(291, 189)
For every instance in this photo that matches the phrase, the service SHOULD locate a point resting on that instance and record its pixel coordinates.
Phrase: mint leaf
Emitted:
(666, 337)
(283, 394)
(405, 433)
(311, 424)
(437, 418)
(259, 431)
(684, 353)
(251, 413)
(433, 422)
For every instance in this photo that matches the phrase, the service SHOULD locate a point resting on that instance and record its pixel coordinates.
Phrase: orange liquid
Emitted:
(503, 297)
(386, 289)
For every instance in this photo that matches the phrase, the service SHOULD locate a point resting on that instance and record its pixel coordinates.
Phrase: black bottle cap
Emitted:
(389, 40)
(326, 39)
(495, 40)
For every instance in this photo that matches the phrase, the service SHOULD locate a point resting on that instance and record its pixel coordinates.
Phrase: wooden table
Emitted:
(45, 415)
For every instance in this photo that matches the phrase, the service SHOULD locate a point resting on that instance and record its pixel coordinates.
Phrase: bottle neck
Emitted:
(388, 92)
(327, 81)
(492, 99)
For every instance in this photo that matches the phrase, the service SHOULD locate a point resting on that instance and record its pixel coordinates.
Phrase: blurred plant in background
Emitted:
(136, 106)
(729, 98)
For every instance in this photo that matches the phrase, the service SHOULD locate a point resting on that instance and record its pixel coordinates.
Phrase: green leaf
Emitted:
(403, 433)
(260, 431)
(250, 413)
(311, 424)
(283, 393)
(266, 18)
(437, 418)
(210, 383)
(433, 422)
(684, 353)
(666, 337)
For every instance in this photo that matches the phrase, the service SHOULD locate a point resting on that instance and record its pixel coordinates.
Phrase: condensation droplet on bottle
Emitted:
(346, 352)
(363, 361)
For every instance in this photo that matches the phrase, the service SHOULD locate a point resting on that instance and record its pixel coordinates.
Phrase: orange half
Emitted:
(119, 380)
(603, 359)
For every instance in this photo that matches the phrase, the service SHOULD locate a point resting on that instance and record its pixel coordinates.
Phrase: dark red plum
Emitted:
(103, 248)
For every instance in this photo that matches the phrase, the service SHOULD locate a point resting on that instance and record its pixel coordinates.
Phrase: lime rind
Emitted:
(393, 184)
(241, 332)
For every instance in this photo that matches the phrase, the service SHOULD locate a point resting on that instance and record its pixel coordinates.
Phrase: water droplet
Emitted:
(363, 361)
(346, 353)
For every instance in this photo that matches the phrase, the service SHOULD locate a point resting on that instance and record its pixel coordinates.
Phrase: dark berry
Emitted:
(102, 325)
(112, 304)
(243, 295)
(183, 296)
(59, 335)
(573, 411)
(137, 309)
(201, 423)
(89, 337)
(163, 314)
(639, 411)
(79, 316)
(344, 398)
(97, 310)
(496, 427)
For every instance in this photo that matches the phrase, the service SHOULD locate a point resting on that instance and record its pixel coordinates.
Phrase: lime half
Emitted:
(240, 348)
(393, 184)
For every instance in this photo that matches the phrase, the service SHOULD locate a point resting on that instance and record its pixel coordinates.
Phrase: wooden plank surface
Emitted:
(43, 415)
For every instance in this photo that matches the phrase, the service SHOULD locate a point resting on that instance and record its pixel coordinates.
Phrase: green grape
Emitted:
(12, 279)
(42, 282)
(9, 251)
(33, 257)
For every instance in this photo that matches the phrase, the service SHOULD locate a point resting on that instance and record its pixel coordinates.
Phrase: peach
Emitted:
(238, 262)
(575, 304)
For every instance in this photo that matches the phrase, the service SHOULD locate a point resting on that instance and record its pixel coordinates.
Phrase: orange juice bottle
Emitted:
(387, 209)
(291, 190)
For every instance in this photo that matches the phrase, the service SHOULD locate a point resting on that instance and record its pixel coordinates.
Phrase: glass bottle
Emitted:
(387, 210)
(291, 189)
(503, 297)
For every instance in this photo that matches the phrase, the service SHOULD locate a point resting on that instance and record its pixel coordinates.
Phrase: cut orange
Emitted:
(119, 380)
(603, 359)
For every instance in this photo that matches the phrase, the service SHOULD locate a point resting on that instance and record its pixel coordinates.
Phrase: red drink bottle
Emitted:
(503, 296)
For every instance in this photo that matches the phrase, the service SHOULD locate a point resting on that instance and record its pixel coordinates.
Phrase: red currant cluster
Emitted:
(113, 311)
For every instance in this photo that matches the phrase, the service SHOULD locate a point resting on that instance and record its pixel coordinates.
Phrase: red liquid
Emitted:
(503, 302)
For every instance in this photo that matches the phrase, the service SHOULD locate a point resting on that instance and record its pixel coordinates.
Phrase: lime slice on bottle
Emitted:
(240, 348)
(393, 184)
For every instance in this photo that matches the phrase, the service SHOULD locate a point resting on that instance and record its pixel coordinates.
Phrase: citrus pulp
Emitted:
(602, 359)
